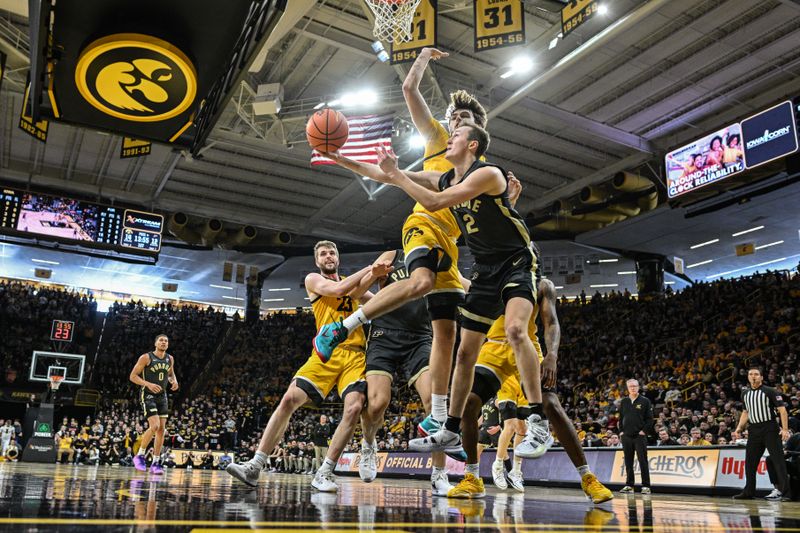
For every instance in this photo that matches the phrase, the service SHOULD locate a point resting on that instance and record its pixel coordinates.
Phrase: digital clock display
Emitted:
(62, 330)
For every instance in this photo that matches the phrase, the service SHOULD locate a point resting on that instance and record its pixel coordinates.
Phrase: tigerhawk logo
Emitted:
(412, 232)
(136, 77)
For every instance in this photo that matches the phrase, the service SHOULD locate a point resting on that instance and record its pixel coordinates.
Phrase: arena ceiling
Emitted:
(613, 95)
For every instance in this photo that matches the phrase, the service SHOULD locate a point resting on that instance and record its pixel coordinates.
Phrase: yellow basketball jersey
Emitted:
(329, 309)
(434, 160)
(497, 333)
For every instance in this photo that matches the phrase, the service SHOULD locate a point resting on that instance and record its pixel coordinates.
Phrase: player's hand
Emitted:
(173, 385)
(514, 188)
(333, 156)
(381, 269)
(549, 371)
(492, 430)
(434, 53)
(784, 435)
(386, 160)
(152, 387)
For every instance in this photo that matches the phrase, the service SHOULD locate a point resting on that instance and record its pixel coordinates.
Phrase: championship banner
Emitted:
(498, 23)
(769, 135)
(134, 148)
(681, 468)
(36, 130)
(707, 160)
(575, 13)
(423, 34)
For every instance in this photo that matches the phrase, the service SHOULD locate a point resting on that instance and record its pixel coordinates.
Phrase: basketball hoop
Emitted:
(55, 381)
(393, 19)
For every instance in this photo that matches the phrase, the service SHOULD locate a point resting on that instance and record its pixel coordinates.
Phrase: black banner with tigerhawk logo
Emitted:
(150, 70)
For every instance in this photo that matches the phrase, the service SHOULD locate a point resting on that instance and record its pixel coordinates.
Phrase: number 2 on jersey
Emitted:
(469, 220)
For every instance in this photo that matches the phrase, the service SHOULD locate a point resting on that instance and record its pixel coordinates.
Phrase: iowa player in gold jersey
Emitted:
(154, 372)
(429, 242)
(332, 298)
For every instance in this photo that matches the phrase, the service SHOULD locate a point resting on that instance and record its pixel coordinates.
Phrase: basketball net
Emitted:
(55, 381)
(393, 19)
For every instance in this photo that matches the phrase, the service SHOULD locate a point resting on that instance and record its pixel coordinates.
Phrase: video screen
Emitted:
(58, 217)
(707, 160)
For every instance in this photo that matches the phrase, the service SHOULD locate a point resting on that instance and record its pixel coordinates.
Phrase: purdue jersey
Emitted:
(157, 371)
(492, 229)
(490, 414)
(329, 309)
(413, 316)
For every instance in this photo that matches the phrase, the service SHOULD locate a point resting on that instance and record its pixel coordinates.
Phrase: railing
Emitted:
(15, 37)
(722, 377)
(685, 392)
(87, 398)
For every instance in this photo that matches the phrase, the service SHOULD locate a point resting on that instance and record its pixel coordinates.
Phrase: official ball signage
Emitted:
(136, 77)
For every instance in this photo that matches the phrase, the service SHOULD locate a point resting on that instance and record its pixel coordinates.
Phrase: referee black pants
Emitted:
(639, 445)
(759, 437)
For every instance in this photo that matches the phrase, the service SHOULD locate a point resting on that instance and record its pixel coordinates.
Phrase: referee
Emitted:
(635, 420)
(760, 404)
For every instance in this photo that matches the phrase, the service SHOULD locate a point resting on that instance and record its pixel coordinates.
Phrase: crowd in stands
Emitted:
(689, 350)
(131, 328)
(26, 318)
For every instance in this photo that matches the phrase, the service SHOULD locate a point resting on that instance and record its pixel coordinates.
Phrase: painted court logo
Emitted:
(136, 77)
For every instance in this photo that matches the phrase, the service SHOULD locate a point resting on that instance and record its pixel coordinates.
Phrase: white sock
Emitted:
(364, 445)
(327, 465)
(260, 460)
(141, 451)
(498, 461)
(517, 464)
(473, 469)
(356, 319)
(439, 407)
(583, 470)
(437, 471)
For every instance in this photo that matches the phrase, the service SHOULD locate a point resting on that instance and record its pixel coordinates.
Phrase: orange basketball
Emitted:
(327, 130)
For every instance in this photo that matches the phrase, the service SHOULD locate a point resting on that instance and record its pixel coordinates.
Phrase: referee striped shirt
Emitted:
(761, 404)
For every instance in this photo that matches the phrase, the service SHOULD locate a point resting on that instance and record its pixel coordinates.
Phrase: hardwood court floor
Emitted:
(111, 499)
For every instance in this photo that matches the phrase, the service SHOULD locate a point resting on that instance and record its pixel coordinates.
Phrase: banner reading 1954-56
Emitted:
(498, 23)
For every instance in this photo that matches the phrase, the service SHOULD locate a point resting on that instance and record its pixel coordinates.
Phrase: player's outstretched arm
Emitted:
(316, 283)
(487, 180)
(378, 270)
(429, 180)
(420, 112)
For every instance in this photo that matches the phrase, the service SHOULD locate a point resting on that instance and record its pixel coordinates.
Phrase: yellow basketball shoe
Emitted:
(469, 487)
(595, 491)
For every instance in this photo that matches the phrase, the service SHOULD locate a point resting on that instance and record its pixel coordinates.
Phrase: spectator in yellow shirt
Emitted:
(697, 438)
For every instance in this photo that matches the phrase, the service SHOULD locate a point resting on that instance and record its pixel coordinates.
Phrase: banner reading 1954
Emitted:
(498, 23)
(423, 34)
(575, 13)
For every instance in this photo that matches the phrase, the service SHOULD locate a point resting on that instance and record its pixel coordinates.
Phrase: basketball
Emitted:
(327, 130)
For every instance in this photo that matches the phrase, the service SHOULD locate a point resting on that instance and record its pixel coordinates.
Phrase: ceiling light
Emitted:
(765, 263)
(233, 298)
(553, 43)
(274, 299)
(364, 97)
(559, 286)
(602, 9)
(624, 272)
(608, 260)
(334, 103)
(281, 289)
(319, 106)
(46, 262)
(518, 65)
(747, 231)
(700, 263)
(669, 283)
(603, 285)
(703, 244)
(221, 287)
(768, 245)
(416, 141)
(380, 51)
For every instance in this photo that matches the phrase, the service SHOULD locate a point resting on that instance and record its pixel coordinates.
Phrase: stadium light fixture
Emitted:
(602, 9)
(669, 283)
(604, 285)
(768, 245)
(518, 65)
(416, 141)
(233, 298)
(746, 231)
(362, 98)
(220, 287)
(46, 262)
(320, 105)
(380, 51)
(274, 299)
(608, 261)
(280, 289)
(700, 263)
(765, 263)
(626, 272)
(700, 245)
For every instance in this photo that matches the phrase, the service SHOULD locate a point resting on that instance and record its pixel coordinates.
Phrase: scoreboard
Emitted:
(67, 219)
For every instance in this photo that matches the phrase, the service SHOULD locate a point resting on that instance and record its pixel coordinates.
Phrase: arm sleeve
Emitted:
(774, 397)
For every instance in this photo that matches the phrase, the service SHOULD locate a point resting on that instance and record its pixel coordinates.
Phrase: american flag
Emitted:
(366, 133)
